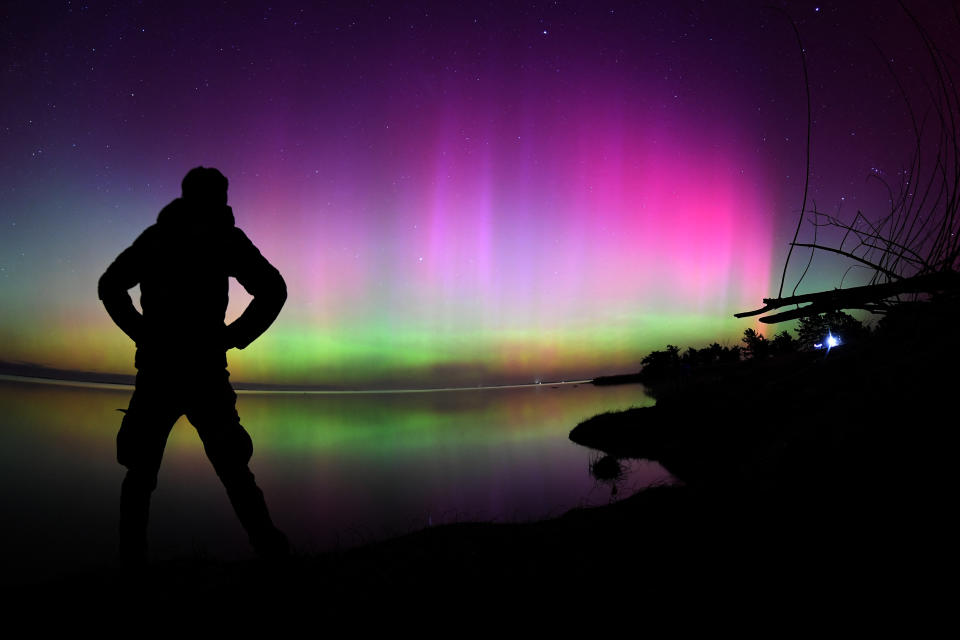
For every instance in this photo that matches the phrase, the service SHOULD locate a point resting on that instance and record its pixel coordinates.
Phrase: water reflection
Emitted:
(337, 469)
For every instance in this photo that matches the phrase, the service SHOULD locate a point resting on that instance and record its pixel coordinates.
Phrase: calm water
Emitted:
(337, 469)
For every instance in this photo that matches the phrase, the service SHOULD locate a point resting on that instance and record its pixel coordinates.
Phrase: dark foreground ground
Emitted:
(806, 479)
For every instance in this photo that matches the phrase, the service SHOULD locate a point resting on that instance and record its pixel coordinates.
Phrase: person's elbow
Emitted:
(105, 287)
(280, 290)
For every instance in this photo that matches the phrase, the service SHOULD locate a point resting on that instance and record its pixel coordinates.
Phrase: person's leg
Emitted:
(140, 444)
(229, 447)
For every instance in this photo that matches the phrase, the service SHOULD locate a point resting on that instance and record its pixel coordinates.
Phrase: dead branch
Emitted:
(869, 297)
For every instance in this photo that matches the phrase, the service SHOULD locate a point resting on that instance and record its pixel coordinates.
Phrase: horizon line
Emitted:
(84, 384)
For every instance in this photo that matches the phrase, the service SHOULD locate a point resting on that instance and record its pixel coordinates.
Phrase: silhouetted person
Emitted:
(182, 264)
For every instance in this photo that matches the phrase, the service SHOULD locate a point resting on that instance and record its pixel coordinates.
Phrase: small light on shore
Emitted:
(830, 342)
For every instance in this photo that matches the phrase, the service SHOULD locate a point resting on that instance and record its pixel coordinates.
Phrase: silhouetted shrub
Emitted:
(659, 365)
(757, 345)
(783, 343)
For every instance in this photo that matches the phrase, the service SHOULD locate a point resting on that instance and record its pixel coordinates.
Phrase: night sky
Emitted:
(456, 193)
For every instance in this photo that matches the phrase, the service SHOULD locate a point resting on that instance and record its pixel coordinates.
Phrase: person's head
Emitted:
(205, 186)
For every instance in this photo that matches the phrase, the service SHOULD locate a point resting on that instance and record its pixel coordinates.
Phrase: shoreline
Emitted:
(798, 477)
(243, 388)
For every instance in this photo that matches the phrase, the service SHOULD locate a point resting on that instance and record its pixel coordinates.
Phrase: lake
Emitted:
(337, 469)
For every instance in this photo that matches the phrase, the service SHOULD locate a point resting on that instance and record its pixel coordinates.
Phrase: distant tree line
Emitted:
(811, 331)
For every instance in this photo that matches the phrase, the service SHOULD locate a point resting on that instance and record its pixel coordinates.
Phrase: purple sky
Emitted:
(455, 192)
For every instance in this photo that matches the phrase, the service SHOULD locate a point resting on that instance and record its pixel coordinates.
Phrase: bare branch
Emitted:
(847, 254)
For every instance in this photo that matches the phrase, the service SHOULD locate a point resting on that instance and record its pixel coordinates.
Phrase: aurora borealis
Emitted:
(455, 193)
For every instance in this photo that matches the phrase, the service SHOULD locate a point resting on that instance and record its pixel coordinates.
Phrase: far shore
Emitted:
(250, 388)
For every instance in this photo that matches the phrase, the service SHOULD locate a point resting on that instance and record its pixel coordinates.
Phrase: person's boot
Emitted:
(271, 544)
(251, 508)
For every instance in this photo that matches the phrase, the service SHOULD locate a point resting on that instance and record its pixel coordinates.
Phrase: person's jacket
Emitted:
(182, 264)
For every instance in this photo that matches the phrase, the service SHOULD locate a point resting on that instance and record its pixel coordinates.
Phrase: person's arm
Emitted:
(261, 280)
(121, 275)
